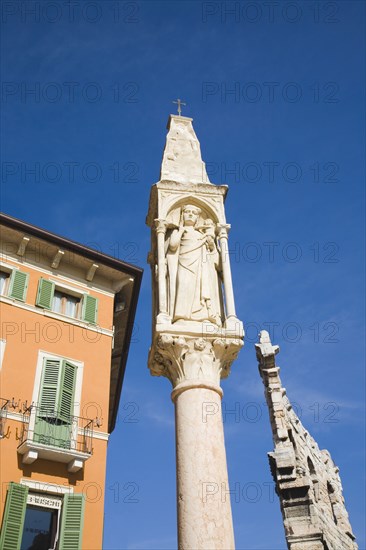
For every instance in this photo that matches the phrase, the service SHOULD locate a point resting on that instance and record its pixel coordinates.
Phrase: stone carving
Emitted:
(182, 155)
(198, 360)
(176, 240)
(307, 480)
(195, 337)
(193, 264)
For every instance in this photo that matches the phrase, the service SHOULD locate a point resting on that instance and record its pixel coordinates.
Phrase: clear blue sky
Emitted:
(276, 93)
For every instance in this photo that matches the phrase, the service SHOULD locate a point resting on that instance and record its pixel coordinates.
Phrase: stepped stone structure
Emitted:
(307, 480)
(196, 334)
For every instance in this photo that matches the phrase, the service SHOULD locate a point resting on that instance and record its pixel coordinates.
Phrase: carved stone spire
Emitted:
(182, 160)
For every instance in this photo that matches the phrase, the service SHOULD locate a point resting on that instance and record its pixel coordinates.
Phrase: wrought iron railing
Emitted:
(4, 403)
(57, 430)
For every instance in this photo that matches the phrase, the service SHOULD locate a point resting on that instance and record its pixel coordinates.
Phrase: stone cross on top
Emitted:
(179, 102)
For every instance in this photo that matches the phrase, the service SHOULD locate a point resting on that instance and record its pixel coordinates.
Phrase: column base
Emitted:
(163, 319)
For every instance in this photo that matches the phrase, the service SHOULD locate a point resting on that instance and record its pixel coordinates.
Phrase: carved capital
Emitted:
(226, 351)
(223, 230)
(193, 362)
(160, 226)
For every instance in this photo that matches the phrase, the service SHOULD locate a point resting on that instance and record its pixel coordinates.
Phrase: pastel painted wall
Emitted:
(27, 332)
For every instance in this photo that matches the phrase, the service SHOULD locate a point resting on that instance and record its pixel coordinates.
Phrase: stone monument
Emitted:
(307, 480)
(196, 334)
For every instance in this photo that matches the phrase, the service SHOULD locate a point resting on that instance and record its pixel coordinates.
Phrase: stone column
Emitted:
(194, 340)
(195, 366)
(226, 273)
(203, 501)
(160, 227)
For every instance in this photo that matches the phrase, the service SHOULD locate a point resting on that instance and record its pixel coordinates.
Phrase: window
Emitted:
(52, 427)
(55, 407)
(2, 351)
(4, 282)
(67, 302)
(55, 524)
(40, 528)
(14, 283)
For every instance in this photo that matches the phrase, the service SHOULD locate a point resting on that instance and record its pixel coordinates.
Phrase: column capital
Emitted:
(224, 229)
(191, 362)
(160, 225)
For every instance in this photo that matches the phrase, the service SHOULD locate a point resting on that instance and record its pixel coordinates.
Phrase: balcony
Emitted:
(49, 435)
(4, 403)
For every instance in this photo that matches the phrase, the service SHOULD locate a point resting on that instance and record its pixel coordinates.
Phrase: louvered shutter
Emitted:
(67, 388)
(54, 420)
(49, 395)
(72, 522)
(46, 430)
(13, 519)
(46, 290)
(90, 309)
(18, 285)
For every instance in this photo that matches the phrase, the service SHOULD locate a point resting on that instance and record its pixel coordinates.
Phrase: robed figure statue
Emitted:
(193, 263)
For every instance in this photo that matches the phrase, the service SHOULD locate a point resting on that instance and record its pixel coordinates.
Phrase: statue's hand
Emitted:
(175, 238)
(210, 242)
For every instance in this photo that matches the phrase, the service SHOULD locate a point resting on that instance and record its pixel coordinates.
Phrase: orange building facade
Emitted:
(66, 322)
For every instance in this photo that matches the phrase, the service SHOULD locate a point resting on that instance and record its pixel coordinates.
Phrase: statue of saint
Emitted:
(193, 264)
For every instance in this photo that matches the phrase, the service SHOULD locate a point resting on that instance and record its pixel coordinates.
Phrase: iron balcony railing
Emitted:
(57, 430)
(4, 404)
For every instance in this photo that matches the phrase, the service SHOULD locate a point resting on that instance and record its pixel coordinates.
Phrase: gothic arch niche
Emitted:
(193, 260)
(173, 217)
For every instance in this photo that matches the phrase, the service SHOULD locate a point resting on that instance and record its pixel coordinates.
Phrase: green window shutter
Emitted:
(48, 401)
(67, 388)
(53, 424)
(72, 522)
(13, 519)
(90, 309)
(46, 290)
(18, 285)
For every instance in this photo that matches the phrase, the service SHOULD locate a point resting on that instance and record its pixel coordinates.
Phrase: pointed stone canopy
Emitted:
(182, 161)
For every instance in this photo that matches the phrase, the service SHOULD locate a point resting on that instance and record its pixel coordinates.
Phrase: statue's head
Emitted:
(190, 214)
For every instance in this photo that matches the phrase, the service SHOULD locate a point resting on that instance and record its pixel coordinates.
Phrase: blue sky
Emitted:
(277, 97)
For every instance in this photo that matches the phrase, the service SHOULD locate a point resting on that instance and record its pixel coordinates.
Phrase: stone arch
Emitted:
(202, 297)
(174, 211)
